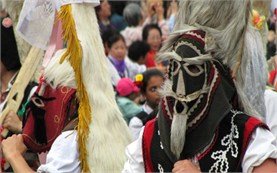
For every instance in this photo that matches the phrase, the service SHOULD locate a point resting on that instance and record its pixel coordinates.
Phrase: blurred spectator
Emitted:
(9, 67)
(117, 19)
(127, 98)
(271, 45)
(171, 12)
(105, 38)
(152, 35)
(155, 15)
(163, 66)
(137, 52)
(103, 12)
(10, 64)
(272, 76)
(151, 83)
(273, 5)
(133, 16)
(119, 65)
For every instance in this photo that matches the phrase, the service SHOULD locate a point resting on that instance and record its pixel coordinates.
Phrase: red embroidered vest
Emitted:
(230, 141)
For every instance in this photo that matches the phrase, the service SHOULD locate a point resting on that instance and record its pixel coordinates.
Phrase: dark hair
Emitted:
(147, 75)
(97, 9)
(270, 50)
(271, 26)
(118, 6)
(138, 49)
(107, 34)
(114, 38)
(147, 29)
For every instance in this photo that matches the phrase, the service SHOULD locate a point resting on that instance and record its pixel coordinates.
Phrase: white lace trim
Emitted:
(161, 144)
(196, 35)
(197, 102)
(161, 169)
(189, 45)
(190, 124)
(167, 109)
(221, 163)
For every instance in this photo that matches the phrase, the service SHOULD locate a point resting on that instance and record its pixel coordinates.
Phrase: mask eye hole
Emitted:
(175, 67)
(193, 70)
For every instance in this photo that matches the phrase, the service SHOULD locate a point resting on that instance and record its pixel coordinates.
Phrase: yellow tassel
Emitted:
(74, 54)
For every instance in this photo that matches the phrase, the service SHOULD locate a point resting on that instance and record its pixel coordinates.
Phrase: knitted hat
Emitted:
(126, 86)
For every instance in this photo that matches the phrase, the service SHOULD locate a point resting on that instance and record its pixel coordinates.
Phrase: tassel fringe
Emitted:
(74, 55)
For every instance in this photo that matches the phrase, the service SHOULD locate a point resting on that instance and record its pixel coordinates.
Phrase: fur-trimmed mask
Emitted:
(192, 81)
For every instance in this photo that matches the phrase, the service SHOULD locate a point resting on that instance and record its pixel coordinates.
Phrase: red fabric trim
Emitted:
(146, 145)
(250, 126)
(209, 148)
(170, 107)
(217, 83)
(211, 75)
(193, 37)
(272, 76)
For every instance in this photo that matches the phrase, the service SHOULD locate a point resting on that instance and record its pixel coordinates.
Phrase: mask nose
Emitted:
(180, 89)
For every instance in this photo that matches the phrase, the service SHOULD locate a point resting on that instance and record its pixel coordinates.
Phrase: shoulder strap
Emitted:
(144, 117)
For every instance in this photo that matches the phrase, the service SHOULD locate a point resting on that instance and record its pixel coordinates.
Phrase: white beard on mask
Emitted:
(179, 121)
(178, 130)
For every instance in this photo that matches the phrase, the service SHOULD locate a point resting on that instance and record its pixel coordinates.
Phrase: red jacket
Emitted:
(150, 59)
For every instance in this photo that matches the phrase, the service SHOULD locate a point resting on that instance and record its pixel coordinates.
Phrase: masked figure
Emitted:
(202, 125)
(73, 113)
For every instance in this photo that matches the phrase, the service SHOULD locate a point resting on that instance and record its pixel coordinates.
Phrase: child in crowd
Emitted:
(127, 98)
(105, 38)
(120, 66)
(151, 83)
(137, 52)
